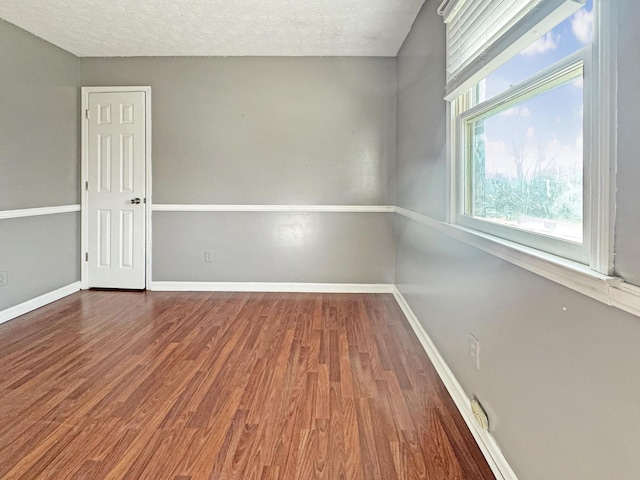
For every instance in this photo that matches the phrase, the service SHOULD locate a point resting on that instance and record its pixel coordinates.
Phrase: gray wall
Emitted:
(559, 371)
(421, 125)
(267, 131)
(627, 237)
(274, 247)
(39, 137)
(39, 164)
(41, 254)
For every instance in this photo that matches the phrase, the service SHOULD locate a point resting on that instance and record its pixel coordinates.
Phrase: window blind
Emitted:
(482, 34)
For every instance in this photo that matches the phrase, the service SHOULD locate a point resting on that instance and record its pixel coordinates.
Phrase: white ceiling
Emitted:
(106, 28)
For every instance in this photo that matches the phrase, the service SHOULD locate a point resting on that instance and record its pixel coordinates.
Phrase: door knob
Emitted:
(135, 200)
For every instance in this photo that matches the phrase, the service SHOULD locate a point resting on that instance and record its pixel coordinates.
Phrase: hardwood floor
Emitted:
(133, 385)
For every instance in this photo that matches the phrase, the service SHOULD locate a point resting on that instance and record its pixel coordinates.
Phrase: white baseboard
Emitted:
(490, 449)
(271, 287)
(41, 301)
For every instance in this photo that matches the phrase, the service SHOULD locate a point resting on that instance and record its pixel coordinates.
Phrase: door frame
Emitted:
(84, 214)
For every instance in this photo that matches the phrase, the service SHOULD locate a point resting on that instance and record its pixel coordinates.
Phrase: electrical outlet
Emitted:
(474, 351)
(208, 256)
(4, 277)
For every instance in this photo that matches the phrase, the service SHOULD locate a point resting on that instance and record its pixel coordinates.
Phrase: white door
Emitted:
(116, 201)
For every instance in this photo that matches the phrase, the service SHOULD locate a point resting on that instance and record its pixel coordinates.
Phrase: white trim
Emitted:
(448, 8)
(30, 305)
(148, 190)
(451, 174)
(271, 287)
(557, 74)
(604, 103)
(626, 297)
(607, 289)
(275, 208)
(84, 234)
(487, 443)
(84, 178)
(35, 212)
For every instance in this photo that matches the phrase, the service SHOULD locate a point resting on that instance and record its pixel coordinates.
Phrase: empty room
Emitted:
(345, 239)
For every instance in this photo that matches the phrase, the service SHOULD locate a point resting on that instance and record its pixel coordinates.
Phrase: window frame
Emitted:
(598, 63)
(564, 71)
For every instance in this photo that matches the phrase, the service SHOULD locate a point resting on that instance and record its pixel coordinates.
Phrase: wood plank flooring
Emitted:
(190, 386)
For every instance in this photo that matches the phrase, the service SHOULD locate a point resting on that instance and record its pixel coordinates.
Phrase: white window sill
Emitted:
(606, 289)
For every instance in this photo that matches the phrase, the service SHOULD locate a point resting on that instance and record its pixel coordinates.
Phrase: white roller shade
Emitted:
(482, 34)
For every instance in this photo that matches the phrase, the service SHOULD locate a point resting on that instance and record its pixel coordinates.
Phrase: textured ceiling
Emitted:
(106, 28)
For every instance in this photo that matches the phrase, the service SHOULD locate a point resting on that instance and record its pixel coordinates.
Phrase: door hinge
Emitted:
(86, 185)
(86, 114)
(86, 256)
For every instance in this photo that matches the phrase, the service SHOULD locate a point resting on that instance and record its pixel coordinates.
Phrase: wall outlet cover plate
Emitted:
(480, 415)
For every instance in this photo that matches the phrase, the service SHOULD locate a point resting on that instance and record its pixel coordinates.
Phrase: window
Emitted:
(521, 88)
